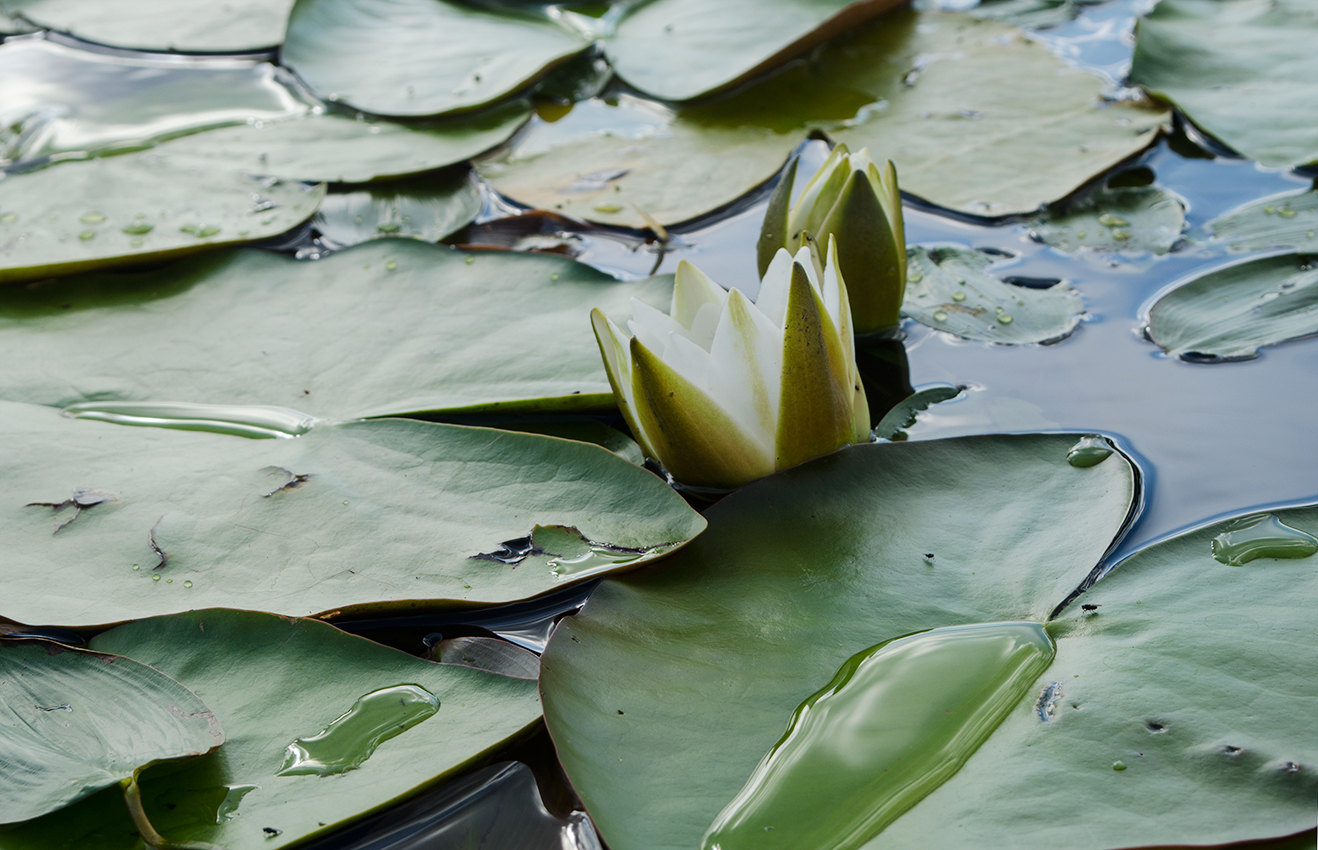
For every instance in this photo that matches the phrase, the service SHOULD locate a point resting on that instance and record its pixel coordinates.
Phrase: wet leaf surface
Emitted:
(950, 290)
(421, 57)
(187, 25)
(1233, 311)
(1134, 218)
(797, 573)
(265, 676)
(1242, 70)
(426, 208)
(372, 517)
(76, 722)
(1287, 221)
(388, 327)
(135, 209)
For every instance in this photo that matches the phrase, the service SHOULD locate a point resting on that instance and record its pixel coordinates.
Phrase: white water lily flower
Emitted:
(722, 390)
(857, 202)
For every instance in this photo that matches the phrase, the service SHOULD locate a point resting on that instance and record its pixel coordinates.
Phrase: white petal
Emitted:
(704, 325)
(745, 368)
(692, 290)
(688, 360)
(772, 300)
(652, 326)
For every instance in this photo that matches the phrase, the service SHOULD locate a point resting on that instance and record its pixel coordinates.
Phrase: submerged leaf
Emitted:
(949, 290)
(75, 722)
(195, 26)
(388, 327)
(135, 209)
(371, 516)
(1243, 70)
(1231, 312)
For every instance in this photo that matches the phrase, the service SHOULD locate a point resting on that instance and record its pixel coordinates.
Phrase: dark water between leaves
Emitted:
(1212, 438)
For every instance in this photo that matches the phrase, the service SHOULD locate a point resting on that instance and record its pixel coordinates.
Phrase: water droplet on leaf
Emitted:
(1261, 536)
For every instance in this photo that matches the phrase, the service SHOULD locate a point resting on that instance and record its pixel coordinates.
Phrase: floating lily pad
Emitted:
(195, 26)
(895, 422)
(61, 101)
(682, 49)
(976, 118)
(276, 683)
(426, 208)
(1030, 14)
(76, 722)
(1231, 312)
(1132, 218)
(135, 209)
(337, 149)
(388, 327)
(421, 57)
(1288, 221)
(1161, 693)
(1241, 70)
(373, 516)
(950, 290)
(797, 573)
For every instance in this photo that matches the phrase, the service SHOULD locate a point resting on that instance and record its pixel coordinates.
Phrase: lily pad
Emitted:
(1170, 674)
(76, 722)
(65, 102)
(894, 423)
(976, 117)
(1243, 71)
(1030, 14)
(1231, 312)
(421, 57)
(266, 677)
(135, 209)
(1287, 221)
(1132, 218)
(194, 26)
(388, 327)
(796, 573)
(950, 290)
(682, 49)
(426, 208)
(337, 149)
(364, 517)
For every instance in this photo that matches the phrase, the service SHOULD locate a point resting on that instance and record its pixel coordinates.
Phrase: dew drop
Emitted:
(1089, 451)
(1005, 319)
(233, 797)
(390, 266)
(1110, 220)
(470, 259)
(1286, 213)
(914, 277)
(10, 218)
(958, 296)
(91, 218)
(156, 577)
(389, 227)
(137, 567)
(138, 228)
(554, 276)
(608, 208)
(1269, 210)
(1261, 536)
(1118, 765)
(351, 739)
(87, 234)
(940, 316)
(187, 584)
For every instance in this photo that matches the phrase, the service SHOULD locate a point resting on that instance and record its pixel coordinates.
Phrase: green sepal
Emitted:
(871, 260)
(773, 233)
(816, 411)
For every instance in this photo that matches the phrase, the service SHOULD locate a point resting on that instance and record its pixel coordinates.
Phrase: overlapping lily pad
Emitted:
(1157, 695)
(106, 523)
(195, 26)
(266, 677)
(1231, 312)
(976, 118)
(948, 289)
(1287, 221)
(75, 722)
(421, 57)
(133, 209)
(426, 208)
(795, 574)
(1241, 70)
(387, 327)
(1129, 218)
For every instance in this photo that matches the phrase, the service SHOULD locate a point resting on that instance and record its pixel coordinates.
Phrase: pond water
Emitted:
(1211, 438)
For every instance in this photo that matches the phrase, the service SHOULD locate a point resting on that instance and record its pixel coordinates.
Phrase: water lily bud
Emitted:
(857, 202)
(722, 390)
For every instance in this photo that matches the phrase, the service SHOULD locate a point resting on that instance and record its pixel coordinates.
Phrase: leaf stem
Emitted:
(153, 839)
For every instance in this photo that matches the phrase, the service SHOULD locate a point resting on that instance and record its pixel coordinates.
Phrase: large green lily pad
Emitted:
(195, 26)
(682, 49)
(135, 209)
(421, 57)
(64, 102)
(105, 523)
(1231, 312)
(1240, 69)
(428, 208)
(950, 290)
(976, 117)
(273, 681)
(796, 573)
(1287, 221)
(387, 327)
(1166, 685)
(75, 722)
